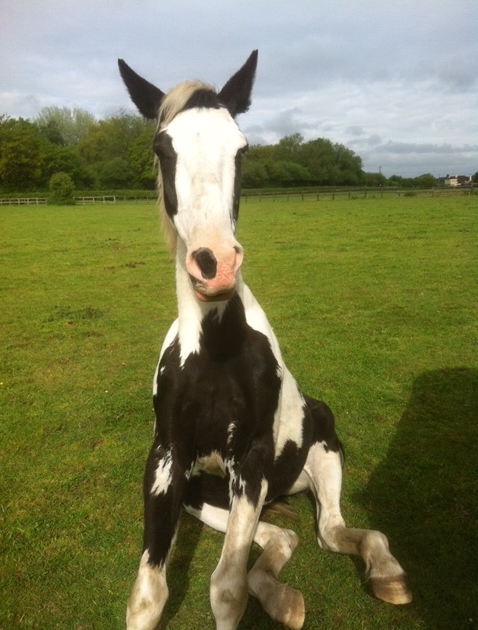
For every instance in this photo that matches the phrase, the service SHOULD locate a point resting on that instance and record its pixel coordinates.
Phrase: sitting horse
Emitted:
(233, 432)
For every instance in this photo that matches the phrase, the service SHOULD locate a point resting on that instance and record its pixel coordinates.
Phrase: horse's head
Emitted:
(199, 148)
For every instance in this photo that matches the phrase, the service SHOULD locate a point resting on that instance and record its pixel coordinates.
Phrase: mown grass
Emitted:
(375, 304)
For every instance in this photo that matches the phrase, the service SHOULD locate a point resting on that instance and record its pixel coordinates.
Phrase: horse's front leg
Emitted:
(163, 494)
(229, 583)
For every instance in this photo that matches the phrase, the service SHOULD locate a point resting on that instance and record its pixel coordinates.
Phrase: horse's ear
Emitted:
(144, 95)
(236, 94)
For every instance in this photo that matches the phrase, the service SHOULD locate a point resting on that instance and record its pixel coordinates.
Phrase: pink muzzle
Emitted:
(213, 270)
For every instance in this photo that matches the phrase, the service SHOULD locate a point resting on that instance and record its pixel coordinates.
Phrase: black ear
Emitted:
(236, 94)
(144, 95)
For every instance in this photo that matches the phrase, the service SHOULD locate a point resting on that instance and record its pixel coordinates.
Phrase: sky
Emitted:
(396, 81)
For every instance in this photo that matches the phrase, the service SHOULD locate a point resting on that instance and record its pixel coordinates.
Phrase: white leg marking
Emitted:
(229, 586)
(283, 603)
(148, 597)
(386, 575)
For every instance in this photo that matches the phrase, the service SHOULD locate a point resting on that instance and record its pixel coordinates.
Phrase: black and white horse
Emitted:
(233, 431)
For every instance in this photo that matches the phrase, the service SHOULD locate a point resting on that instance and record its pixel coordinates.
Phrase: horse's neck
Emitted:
(191, 313)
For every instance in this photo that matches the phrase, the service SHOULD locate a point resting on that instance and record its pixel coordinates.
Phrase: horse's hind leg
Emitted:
(324, 469)
(282, 602)
(163, 489)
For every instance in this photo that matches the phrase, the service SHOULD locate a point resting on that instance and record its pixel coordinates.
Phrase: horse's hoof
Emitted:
(289, 607)
(296, 615)
(393, 590)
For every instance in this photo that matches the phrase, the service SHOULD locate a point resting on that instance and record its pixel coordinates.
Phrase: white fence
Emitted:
(37, 201)
(24, 201)
(87, 200)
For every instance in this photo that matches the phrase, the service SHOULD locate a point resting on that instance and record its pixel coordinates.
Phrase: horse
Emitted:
(233, 432)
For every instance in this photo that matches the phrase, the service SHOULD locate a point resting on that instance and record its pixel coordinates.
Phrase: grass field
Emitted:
(375, 303)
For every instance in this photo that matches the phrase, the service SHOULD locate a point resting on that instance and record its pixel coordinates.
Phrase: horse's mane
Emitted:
(172, 104)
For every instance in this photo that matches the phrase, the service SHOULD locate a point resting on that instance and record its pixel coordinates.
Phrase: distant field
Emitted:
(375, 303)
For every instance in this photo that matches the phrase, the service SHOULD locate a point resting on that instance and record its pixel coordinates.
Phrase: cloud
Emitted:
(364, 75)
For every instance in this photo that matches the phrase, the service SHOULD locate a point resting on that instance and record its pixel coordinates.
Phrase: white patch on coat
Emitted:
(168, 341)
(162, 479)
(257, 319)
(206, 142)
(212, 464)
(191, 311)
(230, 433)
(213, 516)
(289, 415)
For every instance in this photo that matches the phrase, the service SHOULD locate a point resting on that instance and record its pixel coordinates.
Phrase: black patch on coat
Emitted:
(232, 380)
(159, 531)
(203, 99)
(323, 423)
(237, 184)
(167, 156)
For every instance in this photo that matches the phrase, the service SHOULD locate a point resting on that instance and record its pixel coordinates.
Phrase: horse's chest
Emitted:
(219, 401)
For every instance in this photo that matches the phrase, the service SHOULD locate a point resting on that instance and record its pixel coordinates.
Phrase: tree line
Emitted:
(96, 154)
(116, 153)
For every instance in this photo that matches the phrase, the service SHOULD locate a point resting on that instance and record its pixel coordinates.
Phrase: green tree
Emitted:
(142, 161)
(20, 155)
(425, 181)
(123, 136)
(115, 173)
(375, 179)
(64, 126)
(289, 147)
(287, 173)
(254, 173)
(62, 190)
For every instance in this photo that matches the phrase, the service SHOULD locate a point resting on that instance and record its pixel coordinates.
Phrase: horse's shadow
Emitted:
(424, 495)
(179, 571)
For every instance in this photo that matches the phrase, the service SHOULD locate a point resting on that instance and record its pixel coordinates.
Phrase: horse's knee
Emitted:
(229, 594)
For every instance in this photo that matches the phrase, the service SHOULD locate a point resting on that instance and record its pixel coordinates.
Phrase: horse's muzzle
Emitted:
(213, 271)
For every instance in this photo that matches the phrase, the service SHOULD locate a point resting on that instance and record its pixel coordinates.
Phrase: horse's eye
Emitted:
(163, 146)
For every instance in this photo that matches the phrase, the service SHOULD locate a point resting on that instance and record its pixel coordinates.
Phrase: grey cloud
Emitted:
(409, 147)
(383, 78)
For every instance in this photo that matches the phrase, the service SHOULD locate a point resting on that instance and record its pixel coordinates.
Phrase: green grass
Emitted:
(375, 304)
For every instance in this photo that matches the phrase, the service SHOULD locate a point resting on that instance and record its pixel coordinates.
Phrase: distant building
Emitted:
(458, 180)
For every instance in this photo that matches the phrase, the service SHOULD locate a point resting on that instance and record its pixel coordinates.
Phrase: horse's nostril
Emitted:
(207, 262)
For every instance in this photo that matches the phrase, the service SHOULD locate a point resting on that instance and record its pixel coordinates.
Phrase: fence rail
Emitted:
(354, 193)
(102, 199)
(23, 201)
(306, 195)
